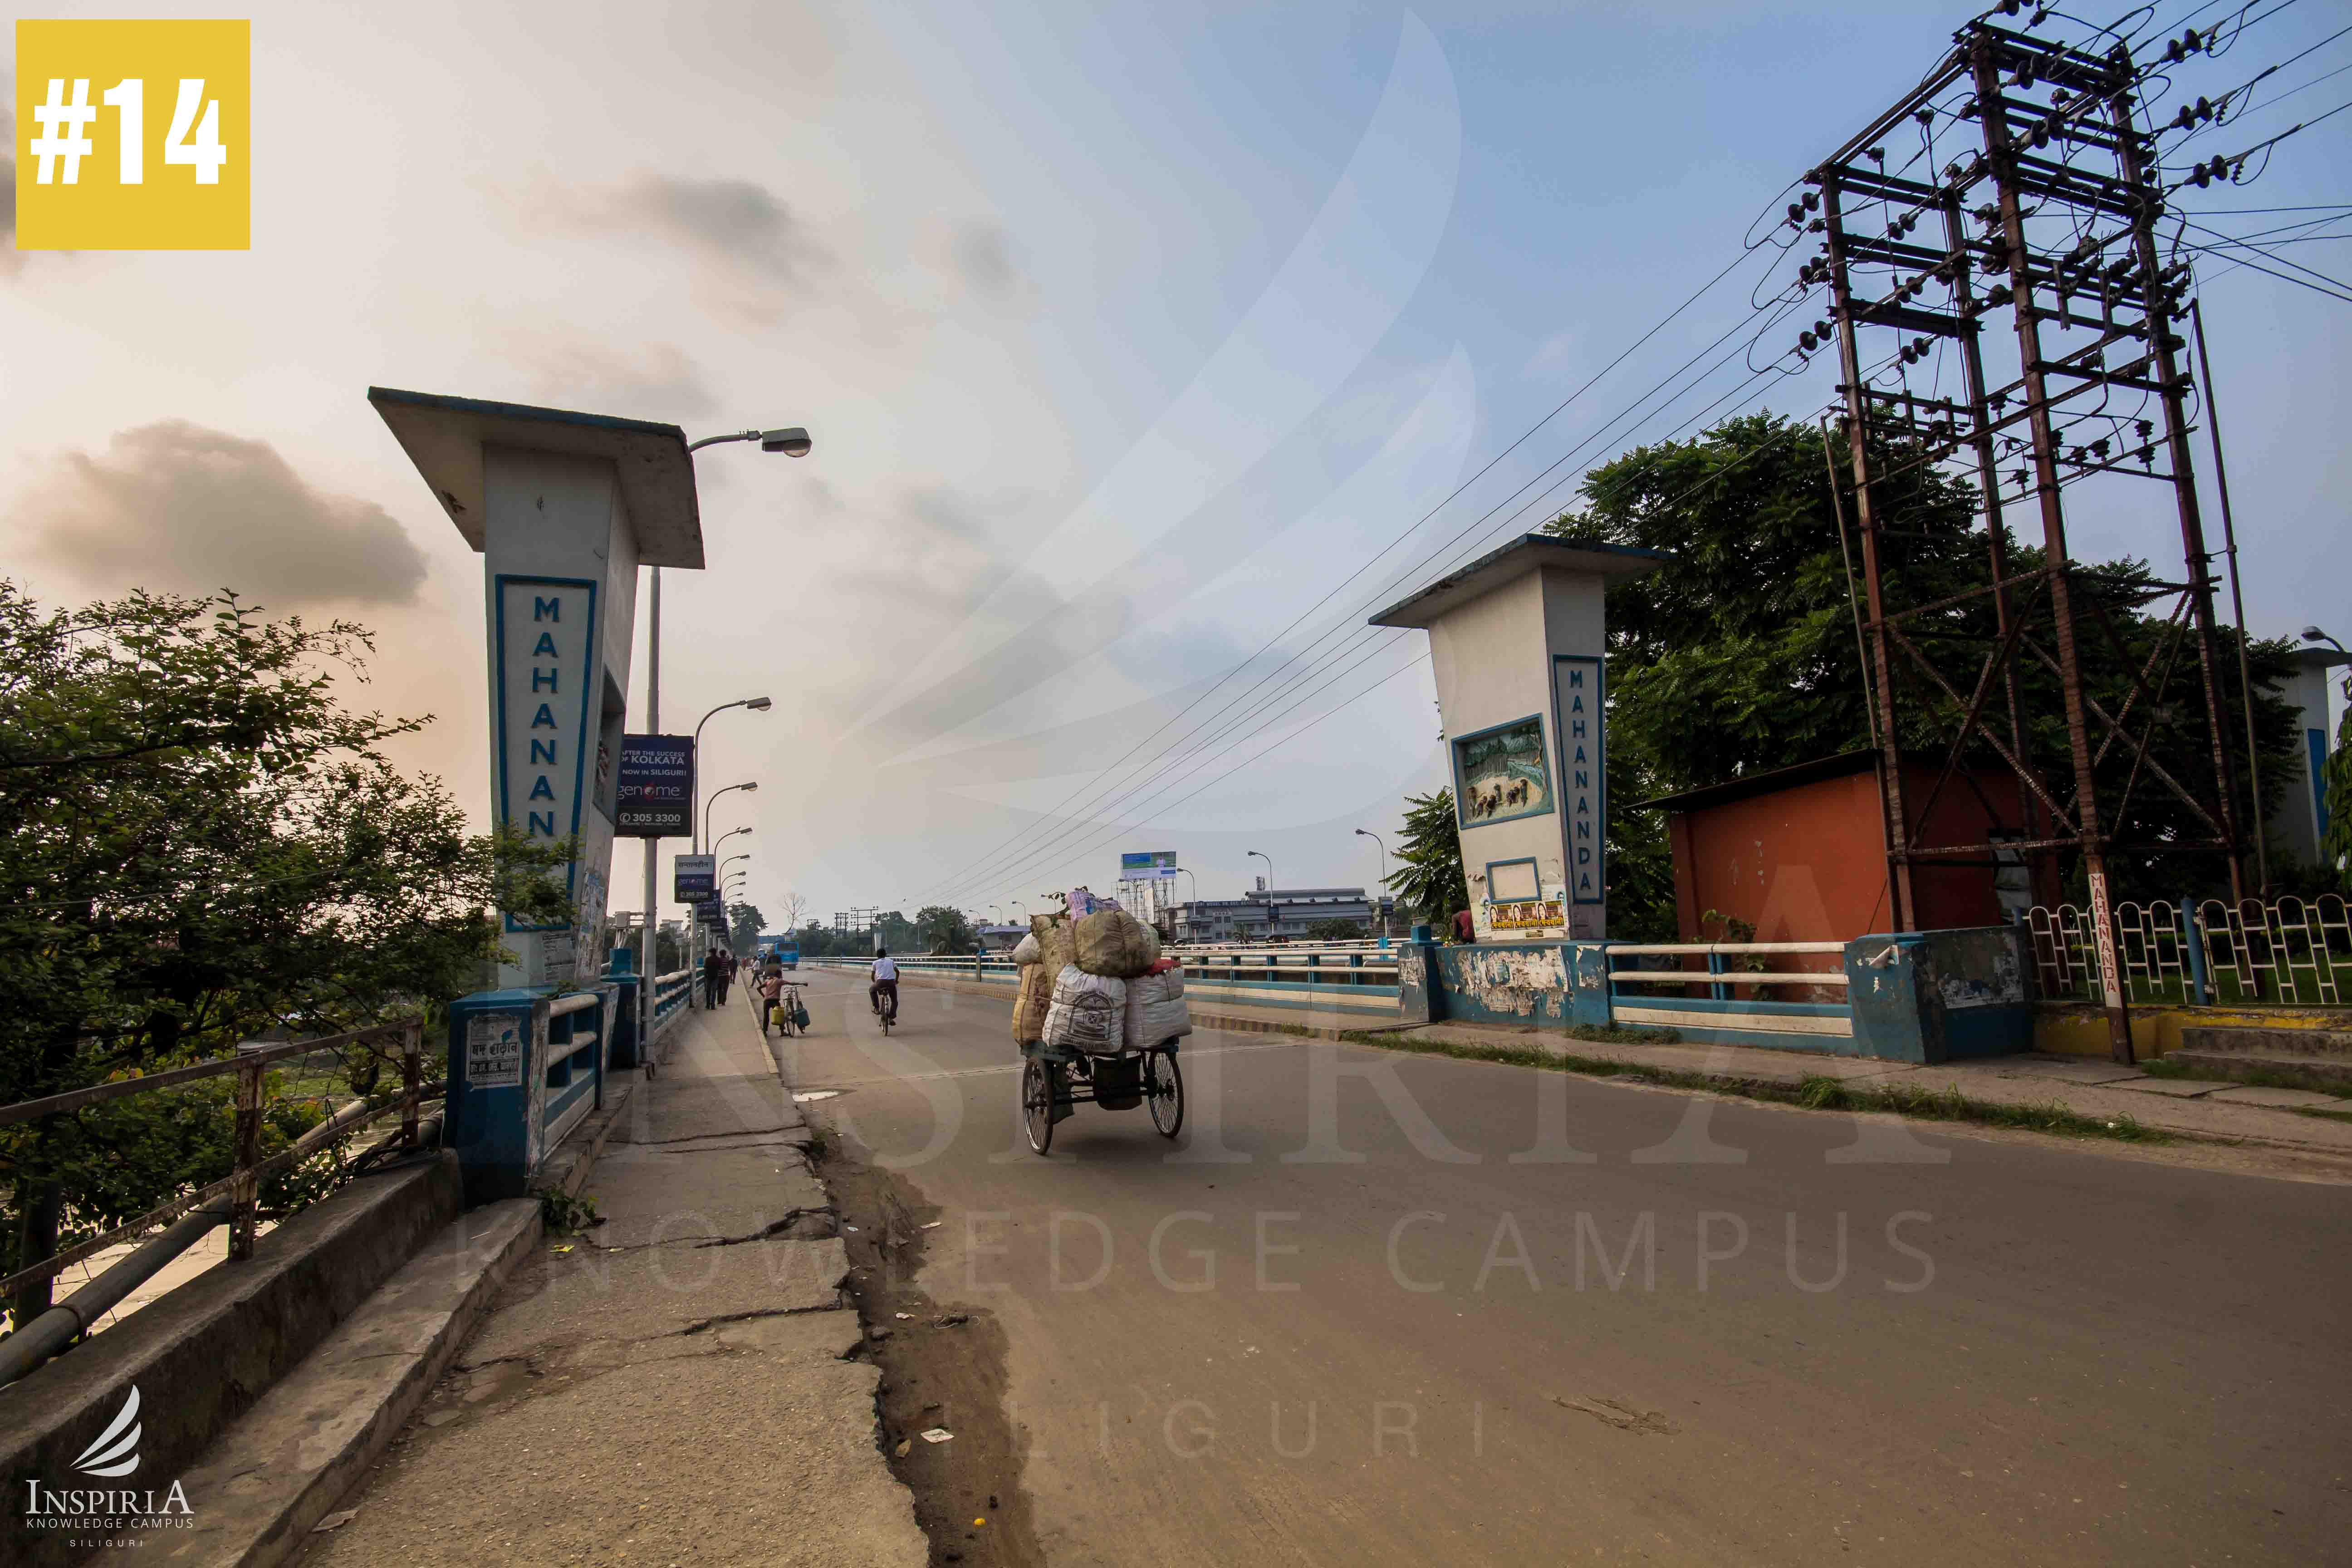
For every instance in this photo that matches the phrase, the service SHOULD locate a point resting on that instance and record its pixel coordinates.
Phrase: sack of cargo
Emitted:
(1088, 1012)
(1029, 1004)
(1156, 1010)
(1056, 950)
(1111, 941)
(1028, 952)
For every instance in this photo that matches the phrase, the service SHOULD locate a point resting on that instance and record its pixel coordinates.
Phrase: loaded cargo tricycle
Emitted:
(1053, 1078)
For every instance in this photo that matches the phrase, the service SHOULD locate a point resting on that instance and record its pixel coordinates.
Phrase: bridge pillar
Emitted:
(1517, 639)
(563, 508)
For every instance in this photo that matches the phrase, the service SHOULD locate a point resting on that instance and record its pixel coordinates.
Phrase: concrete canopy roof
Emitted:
(1526, 554)
(443, 436)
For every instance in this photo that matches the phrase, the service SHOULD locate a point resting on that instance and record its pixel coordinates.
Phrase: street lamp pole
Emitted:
(1381, 894)
(757, 705)
(794, 442)
(1271, 922)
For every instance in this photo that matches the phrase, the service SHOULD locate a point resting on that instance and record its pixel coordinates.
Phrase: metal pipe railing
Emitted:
(46, 1335)
(242, 1185)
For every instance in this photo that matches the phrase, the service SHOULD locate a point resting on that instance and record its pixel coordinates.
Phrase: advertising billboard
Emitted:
(694, 877)
(1147, 866)
(653, 792)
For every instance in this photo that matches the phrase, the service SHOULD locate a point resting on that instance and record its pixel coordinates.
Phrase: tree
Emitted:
(1738, 655)
(1428, 877)
(199, 844)
(2335, 778)
(794, 908)
(1334, 931)
(744, 924)
(943, 929)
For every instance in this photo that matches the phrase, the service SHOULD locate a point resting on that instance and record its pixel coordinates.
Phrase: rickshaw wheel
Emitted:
(1163, 1086)
(1037, 1103)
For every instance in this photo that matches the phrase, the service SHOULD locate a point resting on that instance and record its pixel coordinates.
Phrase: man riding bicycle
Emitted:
(885, 984)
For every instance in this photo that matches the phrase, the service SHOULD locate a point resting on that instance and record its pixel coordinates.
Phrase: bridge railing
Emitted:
(2286, 952)
(673, 993)
(234, 1199)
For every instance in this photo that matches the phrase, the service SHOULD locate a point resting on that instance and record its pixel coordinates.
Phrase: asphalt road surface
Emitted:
(1375, 1307)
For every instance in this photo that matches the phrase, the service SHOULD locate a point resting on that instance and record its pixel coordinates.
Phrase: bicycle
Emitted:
(886, 1007)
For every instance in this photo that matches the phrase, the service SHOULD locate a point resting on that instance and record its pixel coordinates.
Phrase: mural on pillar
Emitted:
(1500, 774)
(546, 653)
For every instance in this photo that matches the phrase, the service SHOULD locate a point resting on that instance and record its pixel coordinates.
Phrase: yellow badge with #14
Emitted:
(133, 135)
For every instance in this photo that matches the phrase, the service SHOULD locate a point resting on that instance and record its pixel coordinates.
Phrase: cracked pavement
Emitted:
(670, 1384)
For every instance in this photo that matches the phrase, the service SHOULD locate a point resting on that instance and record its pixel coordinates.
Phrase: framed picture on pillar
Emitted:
(1501, 774)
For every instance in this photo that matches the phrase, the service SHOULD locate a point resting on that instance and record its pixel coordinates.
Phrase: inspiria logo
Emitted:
(95, 1514)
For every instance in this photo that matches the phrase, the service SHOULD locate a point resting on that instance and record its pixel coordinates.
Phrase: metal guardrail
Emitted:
(234, 1199)
(673, 994)
(2287, 952)
(1314, 967)
(1721, 976)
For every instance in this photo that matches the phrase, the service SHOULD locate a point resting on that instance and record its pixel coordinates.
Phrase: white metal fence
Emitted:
(2286, 951)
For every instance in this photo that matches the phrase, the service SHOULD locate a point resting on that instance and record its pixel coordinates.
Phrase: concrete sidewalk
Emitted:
(667, 1386)
(2219, 1112)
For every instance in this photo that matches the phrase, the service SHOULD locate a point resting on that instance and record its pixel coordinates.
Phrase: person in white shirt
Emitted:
(885, 984)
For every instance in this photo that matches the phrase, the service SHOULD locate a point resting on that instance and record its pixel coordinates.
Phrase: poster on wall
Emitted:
(1501, 774)
(655, 796)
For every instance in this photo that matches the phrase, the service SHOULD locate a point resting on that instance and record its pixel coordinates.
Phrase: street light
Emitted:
(1271, 924)
(1382, 893)
(757, 705)
(725, 837)
(794, 442)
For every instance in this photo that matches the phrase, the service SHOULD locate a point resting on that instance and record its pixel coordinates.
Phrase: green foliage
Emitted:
(1334, 931)
(1428, 878)
(200, 844)
(744, 924)
(1739, 654)
(2335, 839)
(943, 929)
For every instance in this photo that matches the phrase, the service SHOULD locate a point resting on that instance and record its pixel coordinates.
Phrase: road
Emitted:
(1375, 1307)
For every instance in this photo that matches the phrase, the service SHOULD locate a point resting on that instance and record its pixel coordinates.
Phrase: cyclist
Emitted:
(886, 983)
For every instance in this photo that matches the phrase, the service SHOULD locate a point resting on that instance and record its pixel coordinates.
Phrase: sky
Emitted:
(1136, 343)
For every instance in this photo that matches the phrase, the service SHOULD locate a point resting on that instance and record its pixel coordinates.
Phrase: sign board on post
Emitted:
(654, 790)
(494, 1050)
(1147, 866)
(694, 877)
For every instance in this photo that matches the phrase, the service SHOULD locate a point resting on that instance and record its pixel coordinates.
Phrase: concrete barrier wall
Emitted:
(203, 1353)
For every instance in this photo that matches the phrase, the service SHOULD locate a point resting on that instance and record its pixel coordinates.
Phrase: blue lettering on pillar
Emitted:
(542, 824)
(1584, 744)
(542, 790)
(546, 648)
(544, 719)
(543, 681)
(542, 754)
(546, 609)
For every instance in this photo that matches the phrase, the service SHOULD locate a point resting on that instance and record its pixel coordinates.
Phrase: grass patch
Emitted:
(2322, 1115)
(564, 1215)
(1817, 1093)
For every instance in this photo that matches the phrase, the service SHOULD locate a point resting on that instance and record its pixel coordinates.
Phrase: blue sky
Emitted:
(1126, 333)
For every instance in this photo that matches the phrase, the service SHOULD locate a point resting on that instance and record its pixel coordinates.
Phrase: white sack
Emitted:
(1028, 952)
(1156, 1010)
(1088, 1012)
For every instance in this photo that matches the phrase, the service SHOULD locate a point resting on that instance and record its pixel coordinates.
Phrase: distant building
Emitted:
(1277, 915)
(1004, 938)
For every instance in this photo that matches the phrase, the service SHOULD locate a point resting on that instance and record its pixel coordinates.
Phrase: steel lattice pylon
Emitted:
(2051, 215)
